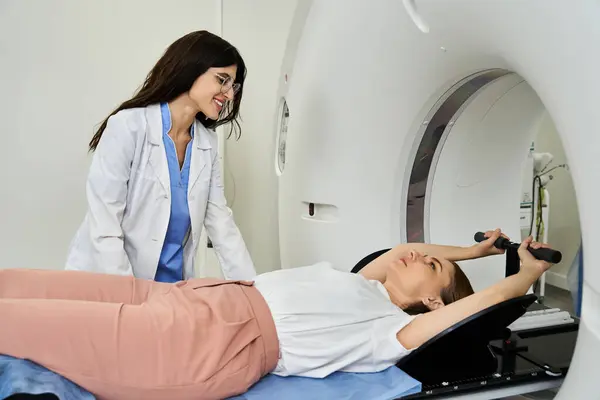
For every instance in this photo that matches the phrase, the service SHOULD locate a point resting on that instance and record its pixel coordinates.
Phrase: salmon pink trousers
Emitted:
(125, 338)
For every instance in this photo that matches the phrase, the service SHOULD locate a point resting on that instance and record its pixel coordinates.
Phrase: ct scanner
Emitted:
(410, 120)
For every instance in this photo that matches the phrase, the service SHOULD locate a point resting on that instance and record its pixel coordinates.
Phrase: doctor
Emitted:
(154, 180)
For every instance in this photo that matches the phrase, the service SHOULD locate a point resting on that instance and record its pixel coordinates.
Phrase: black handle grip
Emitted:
(549, 255)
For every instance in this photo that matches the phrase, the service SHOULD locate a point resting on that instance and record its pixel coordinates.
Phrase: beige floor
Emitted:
(559, 298)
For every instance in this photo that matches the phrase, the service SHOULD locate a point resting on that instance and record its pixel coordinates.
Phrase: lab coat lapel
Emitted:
(158, 155)
(200, 154)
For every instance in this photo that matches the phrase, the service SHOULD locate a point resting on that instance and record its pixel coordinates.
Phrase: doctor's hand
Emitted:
(487, 248)
(530, 264)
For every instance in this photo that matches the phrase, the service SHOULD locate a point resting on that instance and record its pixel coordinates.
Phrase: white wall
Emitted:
(564, 232)
(259, 29)
(64, 65)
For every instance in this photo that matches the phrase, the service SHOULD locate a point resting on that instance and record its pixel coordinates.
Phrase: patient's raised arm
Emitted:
(377, 269)
(426, 326)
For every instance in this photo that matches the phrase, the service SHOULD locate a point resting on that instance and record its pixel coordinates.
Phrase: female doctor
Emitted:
(154, 180)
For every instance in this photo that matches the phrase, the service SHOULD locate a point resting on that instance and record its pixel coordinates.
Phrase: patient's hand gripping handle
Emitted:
(549, 255)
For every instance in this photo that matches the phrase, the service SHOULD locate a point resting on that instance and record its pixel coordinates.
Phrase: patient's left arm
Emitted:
(377, 269)
(425, 326)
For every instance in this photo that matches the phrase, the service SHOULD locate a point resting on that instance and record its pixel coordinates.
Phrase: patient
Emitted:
(125, 338)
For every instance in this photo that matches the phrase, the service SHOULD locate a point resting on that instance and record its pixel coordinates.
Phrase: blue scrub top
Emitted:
(170, 263)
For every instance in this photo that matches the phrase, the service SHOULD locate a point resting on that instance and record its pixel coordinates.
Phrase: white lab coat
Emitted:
(129, 202)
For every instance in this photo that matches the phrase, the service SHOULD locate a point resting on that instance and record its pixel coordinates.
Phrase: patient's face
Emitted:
(416, 277)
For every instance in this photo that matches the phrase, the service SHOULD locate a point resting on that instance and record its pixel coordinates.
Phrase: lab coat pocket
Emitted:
(147, 200)
(150, 180)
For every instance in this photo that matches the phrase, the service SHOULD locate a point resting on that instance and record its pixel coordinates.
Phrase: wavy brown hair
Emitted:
(175, 72)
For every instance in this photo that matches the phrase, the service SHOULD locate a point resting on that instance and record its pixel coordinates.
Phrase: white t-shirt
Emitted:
(329, 320)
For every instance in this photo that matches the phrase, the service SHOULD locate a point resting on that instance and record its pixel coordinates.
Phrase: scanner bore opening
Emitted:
(439, 120)
(442, 115)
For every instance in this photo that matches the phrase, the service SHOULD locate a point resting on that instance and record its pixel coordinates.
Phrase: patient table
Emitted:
(453, 365)
(477, 358)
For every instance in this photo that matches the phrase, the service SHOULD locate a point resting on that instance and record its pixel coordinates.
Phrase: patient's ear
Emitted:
(433, 303)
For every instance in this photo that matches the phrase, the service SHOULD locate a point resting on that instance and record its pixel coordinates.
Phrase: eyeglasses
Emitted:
(227, 83)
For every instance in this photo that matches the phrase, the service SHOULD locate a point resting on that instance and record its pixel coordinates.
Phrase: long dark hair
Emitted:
(182, 63)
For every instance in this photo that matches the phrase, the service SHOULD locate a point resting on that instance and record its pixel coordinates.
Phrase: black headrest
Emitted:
(362, 263)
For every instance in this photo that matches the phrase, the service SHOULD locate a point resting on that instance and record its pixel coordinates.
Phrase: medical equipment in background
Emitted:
(416, 128)
(535, 203)
(526, 191)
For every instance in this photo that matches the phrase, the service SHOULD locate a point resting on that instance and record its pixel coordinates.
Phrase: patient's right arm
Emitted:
(377, 269)
(426, 326)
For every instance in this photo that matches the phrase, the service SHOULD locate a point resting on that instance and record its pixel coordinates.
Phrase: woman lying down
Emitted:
(126, 338)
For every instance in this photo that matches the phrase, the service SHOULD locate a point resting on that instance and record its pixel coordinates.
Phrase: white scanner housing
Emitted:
(411, 120)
